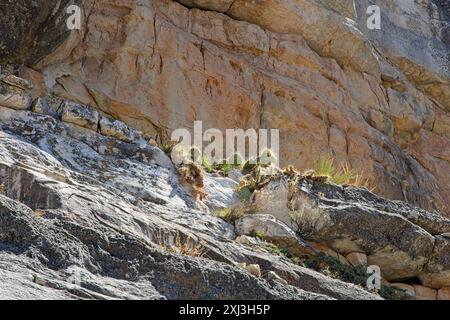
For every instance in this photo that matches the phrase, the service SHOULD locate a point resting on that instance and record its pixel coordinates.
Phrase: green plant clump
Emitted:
(326, 167)
(228, 215)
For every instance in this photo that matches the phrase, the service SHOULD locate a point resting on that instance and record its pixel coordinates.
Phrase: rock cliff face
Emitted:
(96, 213)
(84, 194)
(378, 99)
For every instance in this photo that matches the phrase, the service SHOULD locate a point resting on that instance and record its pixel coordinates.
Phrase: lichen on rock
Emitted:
(87, 186)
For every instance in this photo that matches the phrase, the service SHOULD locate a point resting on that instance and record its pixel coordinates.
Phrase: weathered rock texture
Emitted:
(378, 99)
(96, 213)
(84, 215)
(88, 201)
(405, 242)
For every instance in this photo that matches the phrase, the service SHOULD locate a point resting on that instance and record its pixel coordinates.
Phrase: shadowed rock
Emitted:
(31, 29)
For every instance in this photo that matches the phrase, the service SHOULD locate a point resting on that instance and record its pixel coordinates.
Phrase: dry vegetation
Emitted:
(39, 213)
(326, 168)
(192, 175)
(181, 244)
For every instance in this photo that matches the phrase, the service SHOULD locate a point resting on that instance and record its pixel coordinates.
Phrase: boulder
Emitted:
(14, 93)
(343, 260)
(437, 271)
(119, 130)
(425, 293)
(40, 105)
(254, 269)
(272, 230)
(80, 115)
(444, 293)
(248, 241)
(399, 247)
(357, 259)
(272, 276)
(322, 248)
(17, 82)
(221, 192)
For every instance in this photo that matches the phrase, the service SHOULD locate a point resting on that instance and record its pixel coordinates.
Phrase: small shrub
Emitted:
(325, 166)
(167, 148)
(245, 193)
(207, 165)
(248, 182)
(259, 176)
(258, 234)
(224, 167)
(309, 218)
(228, 215)
(389, 293)
(249, 166)
(332, 267)
(222, 213)
(283, 252)
(266, 159)
(181, 154)
(356, 275)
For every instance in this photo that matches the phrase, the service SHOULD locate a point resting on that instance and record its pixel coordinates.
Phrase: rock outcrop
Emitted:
(328, 83)
(407, 243)
(13, 93)
(85, 215)
(99, 216)
(90, 209)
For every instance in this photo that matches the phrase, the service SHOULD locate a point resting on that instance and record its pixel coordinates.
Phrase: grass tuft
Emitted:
(228, 215)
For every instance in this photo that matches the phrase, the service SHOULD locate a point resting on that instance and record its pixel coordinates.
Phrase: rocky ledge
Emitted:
(89, 209)
(378, 100)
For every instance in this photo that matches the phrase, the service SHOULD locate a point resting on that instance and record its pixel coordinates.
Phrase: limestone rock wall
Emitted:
(377, 99)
